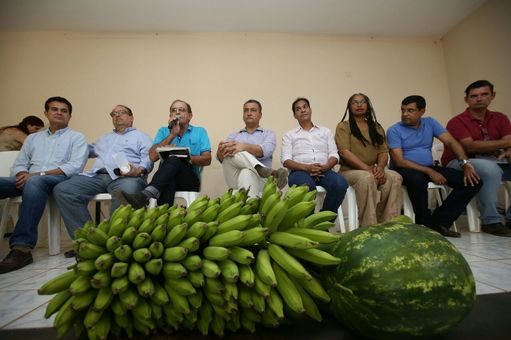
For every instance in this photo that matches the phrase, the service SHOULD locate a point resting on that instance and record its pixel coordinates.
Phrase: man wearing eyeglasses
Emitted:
(486, 137)
(47, 157)
(124, 142)
(410, 143)
(175, 173)
(246, 155)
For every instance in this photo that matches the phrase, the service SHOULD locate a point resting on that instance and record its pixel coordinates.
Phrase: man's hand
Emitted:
(436, 177)
(504, 154)
(135, 171)
(315, 169)
(470, 175)
(21, 179)
(230, 148)
(379, 174)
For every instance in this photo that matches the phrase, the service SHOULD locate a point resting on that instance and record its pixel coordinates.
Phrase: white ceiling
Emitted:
(417, 18)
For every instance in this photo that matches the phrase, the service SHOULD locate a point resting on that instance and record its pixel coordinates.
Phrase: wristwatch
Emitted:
(42, 173)
(464, 162)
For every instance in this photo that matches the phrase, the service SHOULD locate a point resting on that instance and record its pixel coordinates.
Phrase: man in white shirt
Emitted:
(246, 155)
(310, 153)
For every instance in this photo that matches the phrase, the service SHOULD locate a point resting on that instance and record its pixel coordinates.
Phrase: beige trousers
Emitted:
(370, 210)
(239, 172)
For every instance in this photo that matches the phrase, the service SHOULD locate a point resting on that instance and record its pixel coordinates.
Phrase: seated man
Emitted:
(486, 137)
(47, 158)
(175, 174)
(410, 143)
(309, 151)
(73, 195)
(247, 154)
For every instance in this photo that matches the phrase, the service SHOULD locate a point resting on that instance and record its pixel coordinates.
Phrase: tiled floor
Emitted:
(20, 306)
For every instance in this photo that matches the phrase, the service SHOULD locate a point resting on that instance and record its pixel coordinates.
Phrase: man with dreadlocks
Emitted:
(364, 157)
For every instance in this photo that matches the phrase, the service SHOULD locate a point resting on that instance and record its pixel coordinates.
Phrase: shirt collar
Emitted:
(58, 132)
(299, 128)
(487, 116)
(131, 128)
(257, 129)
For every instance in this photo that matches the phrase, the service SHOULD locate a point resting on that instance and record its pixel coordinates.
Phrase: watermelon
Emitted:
(399, 280)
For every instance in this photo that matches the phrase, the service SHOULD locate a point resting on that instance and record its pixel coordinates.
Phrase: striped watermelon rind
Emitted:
(399, 280)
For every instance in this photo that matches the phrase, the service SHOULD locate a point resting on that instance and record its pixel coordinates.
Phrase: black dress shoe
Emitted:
(497, 229)
(447, 232)
(16, 259)
(137, 200)
(69, 254)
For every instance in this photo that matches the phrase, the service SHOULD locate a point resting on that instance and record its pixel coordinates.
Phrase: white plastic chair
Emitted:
(351, 200)
(7, 158)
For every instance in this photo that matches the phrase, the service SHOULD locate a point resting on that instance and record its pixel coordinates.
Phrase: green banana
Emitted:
(216, 253)
(174, 254)
(88, 251)
(196, 230)
(195, 300)
(120, 284)
(117, 307)
(210, 268)
(179, 302)
(85, 268)
(241, 255)
(192, 216)
(123, 253)
(230, 270)
(176, 217)
(117, 226)
(275, 216)
(239, 222)
(100, 280)
(192, 262)
(263, 268)
(135, 221)
(229, 212)
(247, 276)
(311, 309)
(175, 235)
(103, 299)
(288, 262)
(319, 217)
(199, 203)
(295, 213)
(129, 298)
(128, 235)
(269, 319)
(80, 285)
(180, 286)
(104, 262)
(210, 213)
(230, 291)
(324, 226)
(102, 327)
(158, 234)
(97, 236)
(296, 194)
(83, 301)
(288, 290)
(270, 202)
(142, 255)
(154, 266)
(113, 243)
(162, 219)
(156, 249)
(91, 318)
(230, 238)
(119, 269)
(210, 231)
(315, 256)
(172, 270)
(191, 243)
(248, 324)
(310, 196)
(196, 278)
(314, 288)
(319, 236)
(104, 226)
(261, 287)
(293, 241)
(275, 303)
(254, 236)
(136, 273)
(258, 301)
(146, 287)
(142, 240)
(56, 303)
(160, 295)
(245, 297)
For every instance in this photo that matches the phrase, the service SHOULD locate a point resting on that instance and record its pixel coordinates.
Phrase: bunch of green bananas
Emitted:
(221, 264)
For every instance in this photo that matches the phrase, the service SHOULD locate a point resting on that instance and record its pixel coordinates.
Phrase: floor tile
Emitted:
(34, 319)
(18, 303)
(494, 273)
(483, 288)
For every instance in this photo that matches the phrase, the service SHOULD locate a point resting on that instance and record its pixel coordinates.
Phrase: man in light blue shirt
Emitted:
(174, 174)
(246, 155)
(47, 158)
(124, 142)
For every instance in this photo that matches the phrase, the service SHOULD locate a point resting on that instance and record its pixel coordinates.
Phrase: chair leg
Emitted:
(4, 218)
(53, 227)
(474, 225)
(407, 205)
(352, 208)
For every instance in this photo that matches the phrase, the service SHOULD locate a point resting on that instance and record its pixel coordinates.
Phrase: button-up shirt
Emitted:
(316, 145)
(43, 151)
(262, 137)
(132, 143)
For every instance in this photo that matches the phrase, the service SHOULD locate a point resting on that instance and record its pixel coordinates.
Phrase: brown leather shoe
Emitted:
(280, 176)
(497, 229)
(447, 232)
(16, 259)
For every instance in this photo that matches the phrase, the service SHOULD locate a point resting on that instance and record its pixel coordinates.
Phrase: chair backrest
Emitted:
(437, 150)
(7, 159)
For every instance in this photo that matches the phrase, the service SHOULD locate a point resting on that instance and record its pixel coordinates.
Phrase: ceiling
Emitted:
(405, 18)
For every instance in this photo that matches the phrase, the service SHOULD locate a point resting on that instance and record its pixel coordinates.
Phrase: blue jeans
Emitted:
(487, 199)
(416, 183)
(34, 195)
(73, 196)
(334, 184)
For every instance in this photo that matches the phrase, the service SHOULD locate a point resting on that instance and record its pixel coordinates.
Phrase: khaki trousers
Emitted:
(370, 210)
(239, 172)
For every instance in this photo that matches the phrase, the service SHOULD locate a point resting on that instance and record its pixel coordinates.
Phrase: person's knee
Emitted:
(487, 170)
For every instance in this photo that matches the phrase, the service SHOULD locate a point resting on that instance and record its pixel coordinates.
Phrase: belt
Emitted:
(102, 171)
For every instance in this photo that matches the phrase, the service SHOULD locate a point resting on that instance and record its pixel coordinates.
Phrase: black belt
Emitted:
(102, 171)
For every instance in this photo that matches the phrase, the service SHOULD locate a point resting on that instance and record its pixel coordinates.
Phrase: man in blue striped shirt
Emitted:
(47, 158)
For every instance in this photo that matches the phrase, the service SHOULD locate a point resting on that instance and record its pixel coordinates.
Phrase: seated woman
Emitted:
(12, 137)
(364, 155)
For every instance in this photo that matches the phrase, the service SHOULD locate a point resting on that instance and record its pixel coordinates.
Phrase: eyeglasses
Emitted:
(118, 113)
(178, 109)
(356, 102)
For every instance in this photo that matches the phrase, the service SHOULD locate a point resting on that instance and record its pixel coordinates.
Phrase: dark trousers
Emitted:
(416, 183)
(174, 175)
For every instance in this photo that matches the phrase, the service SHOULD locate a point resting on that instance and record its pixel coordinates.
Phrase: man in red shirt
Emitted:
(486, 137)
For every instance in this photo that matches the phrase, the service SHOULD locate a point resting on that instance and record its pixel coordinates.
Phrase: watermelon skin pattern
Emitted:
(399, 280)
